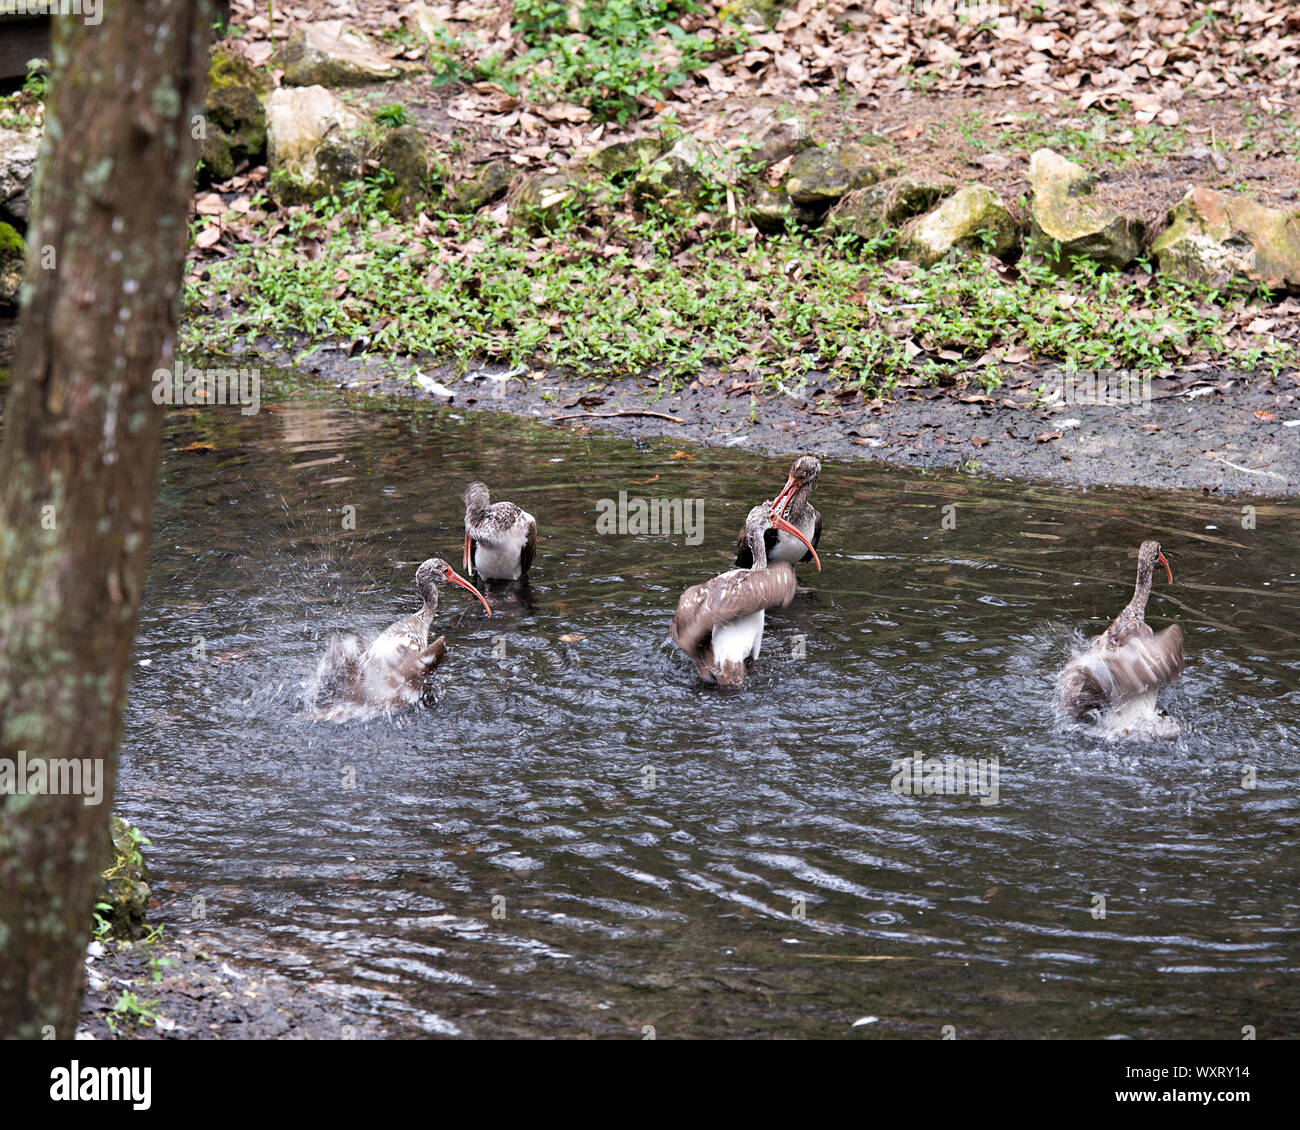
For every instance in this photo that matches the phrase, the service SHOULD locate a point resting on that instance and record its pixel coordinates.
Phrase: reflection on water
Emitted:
(660, 853)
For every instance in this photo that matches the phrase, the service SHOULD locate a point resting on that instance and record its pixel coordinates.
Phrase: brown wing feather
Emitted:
(529, 550)
(744, 558)
(432, 655)
(1102, 678)
(729, 597)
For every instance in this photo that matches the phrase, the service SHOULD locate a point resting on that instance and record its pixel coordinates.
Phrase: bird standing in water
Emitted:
(719, 623)
(791, 504)
(1120, 674)
(391, 672)
(500, 537)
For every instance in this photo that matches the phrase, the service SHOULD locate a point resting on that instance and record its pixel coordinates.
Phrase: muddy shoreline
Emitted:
(208, 992)
(1206, 429)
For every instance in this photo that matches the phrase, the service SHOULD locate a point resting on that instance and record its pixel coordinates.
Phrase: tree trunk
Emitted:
(79, 461)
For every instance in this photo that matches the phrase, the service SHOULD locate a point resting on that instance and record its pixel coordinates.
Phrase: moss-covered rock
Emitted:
(13, 256)
(754, 13)
(973, 218)
(486, 185)
(685, 180)
(235, 120)
(822, 175)
(404, 155)
(1224, 240)
(314, 143)
(541, 201)
(125, 887)
(770, 210)
(328, 53)
(623, 157)
(869, 213)
(1067, 221)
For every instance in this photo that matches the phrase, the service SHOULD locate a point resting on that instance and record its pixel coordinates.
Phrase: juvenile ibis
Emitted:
(391, 672)
(719, 623)
(791, 504)
(500, 537)
(1120, 674)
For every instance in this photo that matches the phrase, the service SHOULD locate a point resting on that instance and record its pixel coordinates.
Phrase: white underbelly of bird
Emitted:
(789, 548)
(738, 640)
(497, 563)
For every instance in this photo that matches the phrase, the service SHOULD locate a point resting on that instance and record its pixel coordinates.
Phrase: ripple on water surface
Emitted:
(713, 863)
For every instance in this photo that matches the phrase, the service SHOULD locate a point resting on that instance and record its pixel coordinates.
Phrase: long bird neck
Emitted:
(798, 503)
(758, 547)
(429, 605)
(476, 506)
(1135, 611)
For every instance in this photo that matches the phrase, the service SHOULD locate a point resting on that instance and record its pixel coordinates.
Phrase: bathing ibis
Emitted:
(719, 623)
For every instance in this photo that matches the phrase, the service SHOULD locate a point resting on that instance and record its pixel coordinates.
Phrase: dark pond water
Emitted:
(711, 863)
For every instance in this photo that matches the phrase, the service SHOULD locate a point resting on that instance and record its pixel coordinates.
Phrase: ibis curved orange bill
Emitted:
(782, 524)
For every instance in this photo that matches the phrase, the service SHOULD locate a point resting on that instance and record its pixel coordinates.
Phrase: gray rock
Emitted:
(682, 181)
(973, 217)
(626, 156)
(235, 120)
(1221, 240)
(487, 185)
(869, 213)
(314, 143)
(770, 210)
(125, 883)
(328, 53)
(539, 202)
(404, 154)
(755, 13)
(13, 257)
(1067, 221)
(17, 167)
(824, 174)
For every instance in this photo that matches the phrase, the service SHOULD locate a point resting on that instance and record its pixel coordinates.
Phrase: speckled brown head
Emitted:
(762, 518)
(802, 479)
(435, 572)
(477, 498)
(1148, 554)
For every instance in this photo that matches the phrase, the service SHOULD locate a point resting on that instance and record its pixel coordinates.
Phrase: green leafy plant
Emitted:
(392, 115)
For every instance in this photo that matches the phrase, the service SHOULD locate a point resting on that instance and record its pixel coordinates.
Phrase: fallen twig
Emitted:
(1239, 467)
(610, 415)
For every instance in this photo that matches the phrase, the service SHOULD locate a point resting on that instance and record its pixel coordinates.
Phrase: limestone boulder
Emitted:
(486, 185)
(869, 213)
(1067, 221)
(822, 175)
(13, 256)
(329, 53)
(234, 117)
(683, 181)
(1222, 240)
(17, 167)
(540, 202)
(972, 218)
(404, 155)
(314, 143)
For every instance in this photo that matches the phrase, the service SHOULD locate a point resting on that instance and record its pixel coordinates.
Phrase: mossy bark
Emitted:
(79, 460)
